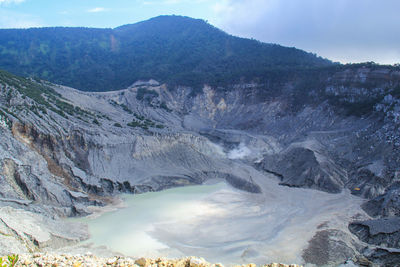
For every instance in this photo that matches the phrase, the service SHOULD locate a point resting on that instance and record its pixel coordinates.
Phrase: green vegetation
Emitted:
(11, 261)
(135, 124)
(70, 109)
(143, 93)
(361, 108)
(44, 96)
(10, 113)
(171, 49)
(143, 123)
(26, 87)
(139, 117)
(4, 117)
(106, 117)
(123, 106)
(117, 125)
(163, 105)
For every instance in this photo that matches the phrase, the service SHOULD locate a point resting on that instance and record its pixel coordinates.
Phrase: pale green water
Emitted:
(127, 230)
(222, 224)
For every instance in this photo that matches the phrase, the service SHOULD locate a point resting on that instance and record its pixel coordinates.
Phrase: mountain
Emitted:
(171, 49)
(310, 149)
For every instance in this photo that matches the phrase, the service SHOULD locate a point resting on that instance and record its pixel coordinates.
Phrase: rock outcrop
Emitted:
(381, 232)
(23, 231)
(328, 247)
(303, 167)
(89, 259)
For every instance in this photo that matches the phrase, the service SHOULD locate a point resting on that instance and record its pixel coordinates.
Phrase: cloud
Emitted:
(5, 2)
(96, 10)
(333, 29)
(9, 19)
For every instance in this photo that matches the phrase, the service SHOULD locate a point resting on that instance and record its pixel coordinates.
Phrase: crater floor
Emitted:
(223, 224)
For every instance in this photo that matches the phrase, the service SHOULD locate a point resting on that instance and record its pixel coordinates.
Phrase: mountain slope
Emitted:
(171, 49)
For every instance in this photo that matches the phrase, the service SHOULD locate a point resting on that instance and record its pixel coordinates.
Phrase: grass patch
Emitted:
(123, 106)
(10, 261)
(163, 105)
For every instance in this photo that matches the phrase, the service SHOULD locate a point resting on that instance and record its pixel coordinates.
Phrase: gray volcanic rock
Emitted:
(303, 167)
(387, 204)
(328, 247)
(382, 257)
(36, 231)
(26, 181)
(382, 232)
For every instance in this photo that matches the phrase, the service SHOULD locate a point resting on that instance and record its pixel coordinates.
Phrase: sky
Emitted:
(346, 31)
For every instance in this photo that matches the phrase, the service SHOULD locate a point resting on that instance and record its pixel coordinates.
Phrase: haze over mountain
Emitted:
(172, 49)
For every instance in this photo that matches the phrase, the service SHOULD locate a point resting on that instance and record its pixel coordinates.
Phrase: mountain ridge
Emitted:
(172, 49)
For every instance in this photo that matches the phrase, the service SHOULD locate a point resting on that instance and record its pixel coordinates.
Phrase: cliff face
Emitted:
(63, 150)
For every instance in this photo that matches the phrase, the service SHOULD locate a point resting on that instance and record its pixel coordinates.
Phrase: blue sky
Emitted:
(341, 30)
(95, 13)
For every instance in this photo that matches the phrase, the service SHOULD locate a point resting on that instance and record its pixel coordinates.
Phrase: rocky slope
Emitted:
(64, 151)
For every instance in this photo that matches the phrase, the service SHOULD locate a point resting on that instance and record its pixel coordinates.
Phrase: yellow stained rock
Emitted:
(180, 263)
(143, 262)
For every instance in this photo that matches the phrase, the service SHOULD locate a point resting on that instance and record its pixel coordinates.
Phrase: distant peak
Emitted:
(172, 18)
(169, 19)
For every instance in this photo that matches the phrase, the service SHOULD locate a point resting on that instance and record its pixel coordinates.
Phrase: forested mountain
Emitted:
(171, 49)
